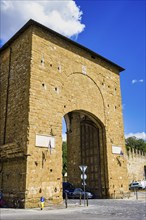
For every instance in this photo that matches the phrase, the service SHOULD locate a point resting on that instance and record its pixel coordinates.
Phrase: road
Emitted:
(111, 209)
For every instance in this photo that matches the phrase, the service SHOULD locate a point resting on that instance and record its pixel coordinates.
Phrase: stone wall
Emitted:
(65, 78)
(136, 161)
(52, 77)
(14, 96)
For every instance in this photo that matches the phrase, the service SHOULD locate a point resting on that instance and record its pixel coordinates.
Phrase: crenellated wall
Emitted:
(136, 161)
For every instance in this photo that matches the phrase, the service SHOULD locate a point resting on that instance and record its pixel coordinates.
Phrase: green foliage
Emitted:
(64, 157)
(135, 143)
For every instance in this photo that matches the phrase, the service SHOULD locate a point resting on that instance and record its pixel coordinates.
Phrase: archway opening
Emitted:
(64, 151)
(85, 145)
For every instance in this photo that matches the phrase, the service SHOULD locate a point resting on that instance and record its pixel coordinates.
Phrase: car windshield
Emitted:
(78, 190)
(135, 184)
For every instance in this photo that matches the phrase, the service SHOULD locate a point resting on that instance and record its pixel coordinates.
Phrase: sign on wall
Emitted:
(45, 141)
(116, 150)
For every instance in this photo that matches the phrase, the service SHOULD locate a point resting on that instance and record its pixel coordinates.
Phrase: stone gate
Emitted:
(45, 77)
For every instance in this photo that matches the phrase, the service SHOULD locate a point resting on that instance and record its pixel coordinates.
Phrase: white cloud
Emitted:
(138, 135)
(141, 80)
(137, 81)
(61, 16)
(134, 81)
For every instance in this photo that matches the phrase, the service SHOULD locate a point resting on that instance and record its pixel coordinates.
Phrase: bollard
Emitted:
(136, 194)
(66, 200)
(87, 199)
(80, 199)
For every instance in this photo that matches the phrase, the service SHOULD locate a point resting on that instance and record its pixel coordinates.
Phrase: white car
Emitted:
(135, 185)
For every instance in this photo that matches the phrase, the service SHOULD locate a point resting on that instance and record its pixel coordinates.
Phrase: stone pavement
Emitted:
(111, 209)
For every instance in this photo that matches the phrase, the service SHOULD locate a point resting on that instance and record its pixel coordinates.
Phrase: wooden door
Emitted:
(90, 155)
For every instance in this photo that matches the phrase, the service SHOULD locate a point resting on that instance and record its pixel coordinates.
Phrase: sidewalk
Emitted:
(140, 195)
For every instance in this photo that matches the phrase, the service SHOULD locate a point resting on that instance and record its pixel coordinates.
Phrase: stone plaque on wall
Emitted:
(116, 150)
(45, 141)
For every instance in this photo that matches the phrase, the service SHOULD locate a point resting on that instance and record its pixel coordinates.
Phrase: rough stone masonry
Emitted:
(45, 77)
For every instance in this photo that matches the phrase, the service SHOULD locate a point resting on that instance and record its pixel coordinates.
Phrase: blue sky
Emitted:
(113, 29)
(116, 30)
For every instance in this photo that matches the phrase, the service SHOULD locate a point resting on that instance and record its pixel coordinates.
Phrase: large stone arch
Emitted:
(82, 92)
(86, 145)
(85, 99)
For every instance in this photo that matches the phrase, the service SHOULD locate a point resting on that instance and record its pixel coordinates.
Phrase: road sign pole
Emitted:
(83, 176)
(84, 186)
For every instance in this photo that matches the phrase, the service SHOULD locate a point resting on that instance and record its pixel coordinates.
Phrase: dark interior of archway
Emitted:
(85, 146)
(90, 154)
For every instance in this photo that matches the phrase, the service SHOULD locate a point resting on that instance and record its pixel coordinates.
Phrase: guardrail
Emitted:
(79, 201)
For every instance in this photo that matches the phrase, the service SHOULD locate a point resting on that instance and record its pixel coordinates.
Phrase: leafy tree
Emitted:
(135, 143)
(64, 157)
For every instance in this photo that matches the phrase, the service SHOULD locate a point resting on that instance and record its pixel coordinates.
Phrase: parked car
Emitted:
(67, 185)
(135, 185)
(76, 193)
(67, 188)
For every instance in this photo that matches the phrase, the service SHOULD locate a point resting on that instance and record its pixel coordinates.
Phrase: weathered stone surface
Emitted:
(136, 164)
(50, 78)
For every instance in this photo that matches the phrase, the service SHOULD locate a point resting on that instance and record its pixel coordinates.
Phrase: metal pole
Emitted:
(87, 199)
(66, 200)
(80, 198)
(136, 194)
(84, 186)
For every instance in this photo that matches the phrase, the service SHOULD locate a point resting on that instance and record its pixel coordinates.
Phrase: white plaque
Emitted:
(116, 150)
(45, 141)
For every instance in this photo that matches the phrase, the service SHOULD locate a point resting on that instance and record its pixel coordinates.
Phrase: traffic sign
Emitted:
(84, 184)
(83, 176)
(83, 168)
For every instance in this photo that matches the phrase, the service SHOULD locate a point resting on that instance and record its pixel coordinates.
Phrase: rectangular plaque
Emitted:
(116, 150)
(45, 141)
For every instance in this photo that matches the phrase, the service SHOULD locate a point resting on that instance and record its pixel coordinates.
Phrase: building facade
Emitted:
(45, 77)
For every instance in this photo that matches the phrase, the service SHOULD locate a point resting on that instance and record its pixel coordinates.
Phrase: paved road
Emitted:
(97, 209)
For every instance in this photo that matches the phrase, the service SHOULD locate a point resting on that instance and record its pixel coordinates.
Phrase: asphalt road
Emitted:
(114, 209)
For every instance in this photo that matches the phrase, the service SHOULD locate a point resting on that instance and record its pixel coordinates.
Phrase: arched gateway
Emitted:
(45, 77)
(86, 145)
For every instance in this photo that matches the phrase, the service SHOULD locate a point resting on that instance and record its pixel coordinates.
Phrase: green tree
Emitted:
(64, 157)
(135, 143)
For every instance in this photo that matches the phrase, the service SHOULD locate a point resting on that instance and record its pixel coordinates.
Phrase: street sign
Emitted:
(84, 184)
(83, 176)
(83, 168)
